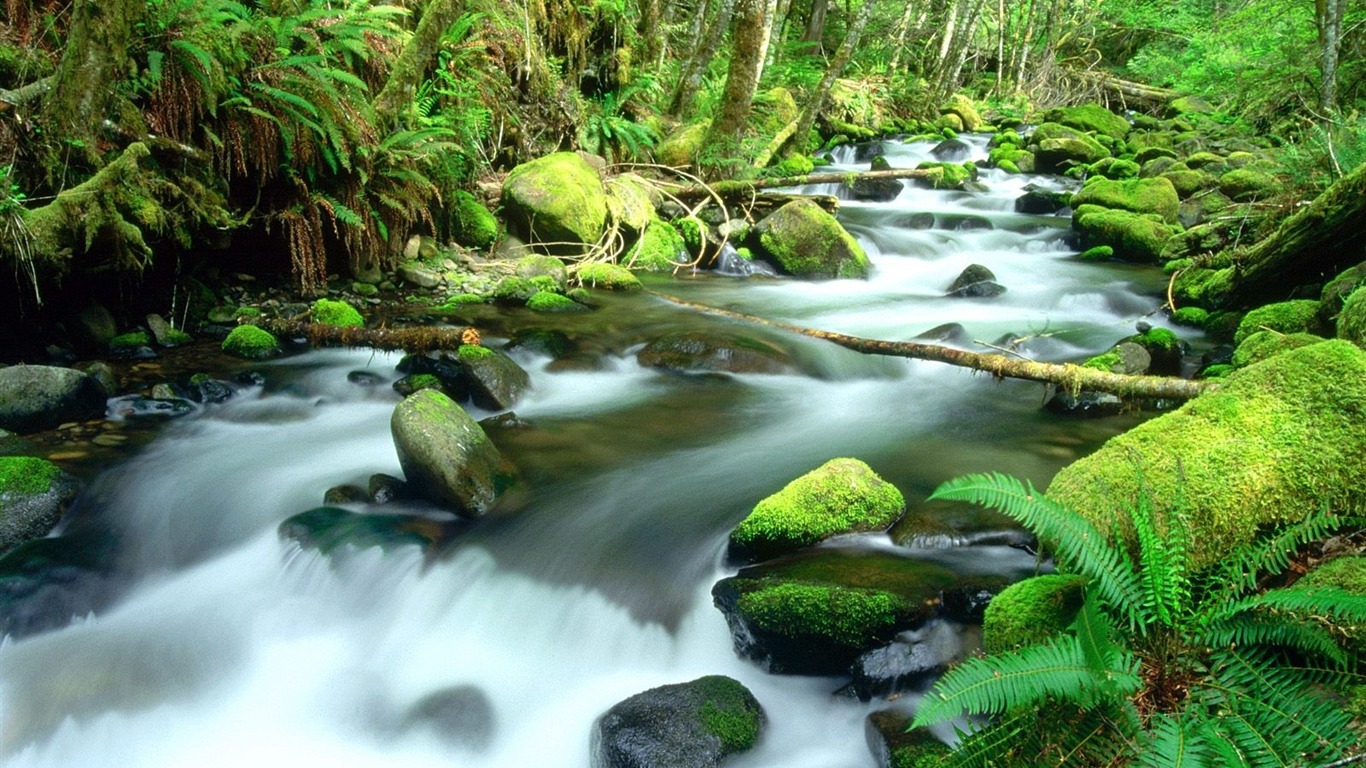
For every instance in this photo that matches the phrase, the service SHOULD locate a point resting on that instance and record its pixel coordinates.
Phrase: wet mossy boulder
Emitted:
(38, 397)
(610, 277)
(631, 201)
(659, 249)
(894, 746)
(1351, 323)
(975, 282)
(946, 175)
(1042, 201)
(962, 106)
(1031, 612)
(538, 268)
(1115, 169)
(1155, 196)
(1057, 147)
(1334, 295)
(551, 302)
(46, 583)
(1261, 345)
(1140, 238)
(34, 494)
(1245, 185)
(1297, 316)
(556, 200)
(494, 380)
(1190, 182)
(1092, 118)
(336, 313)
(447, 457)
(687, 725)
(805, 241)
(251, 343)
(1163, 347)
(325, 529)
(472, 225)
(816, 612)
(840, 496)
(1276, 439)
(712, 352)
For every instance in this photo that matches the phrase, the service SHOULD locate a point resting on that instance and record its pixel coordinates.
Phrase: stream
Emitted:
(227, 646)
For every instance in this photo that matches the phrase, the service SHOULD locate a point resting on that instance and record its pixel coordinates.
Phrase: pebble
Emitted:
(110, 441)
(67, 455)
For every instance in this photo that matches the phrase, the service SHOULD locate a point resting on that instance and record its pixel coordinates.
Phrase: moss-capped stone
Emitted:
(680, 147)
(1245, 185)
(1115, 168)
(1057, 147)
(840, 496)
(548, 301)
(1190, 182)
(1336, 292)
(1156, 196)
(446, 456)
(808, 242)
(962, 106)
(557, 200)
(694, 724)
(251, 342)
(495, 381)
(946, 175)
(612, 277)
(1134, 237)
(896, 747)
(1298, 316)
(1194, 317)
(130, 342)
(1351, 323)
(38, 397)
(34, 494)
(659, 249)
(1264, 344)
(1030, 612)
(1277, 438)
(338, 313)
(472, 225)
(631, 201)
(1090, 117)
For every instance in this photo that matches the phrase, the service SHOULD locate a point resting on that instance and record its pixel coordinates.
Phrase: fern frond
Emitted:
(1238, 572)
(1162, 559)
(1254, 631)
(1077, 546)
(1175, 742)
(1115, 669)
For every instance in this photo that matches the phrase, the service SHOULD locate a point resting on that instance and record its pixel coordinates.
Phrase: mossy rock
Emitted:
(896, 745)
(805, 241)
(946, 175)
(699, 723)
(1194, 317)
(1206, 160)
(1347, 573)
(496, 382)
(472, 225)
(1336, 292)
(968, 117)
(1204, 287)
(1298, 316)
(1245, 185)
(1115, 169)
(447, 457)
(841, 496)
(130, 342)
(1188, 105)
(680, 147)
(1090, 117)
(1057, 147)
(336, 313)
(1155, 196)
(251, 343)
(1264, 344)
(1158, 143)
(714, 351)
(1352, 320)
(631, 201)
(659, 249)
(326, 529)
(1276, 439)
(34, 494)
(1031, 612)
(550, 302)
(1134, 237)
(1190, 182)
(1097, 253)
(556, 200)
(611, 277)
(1163, 347)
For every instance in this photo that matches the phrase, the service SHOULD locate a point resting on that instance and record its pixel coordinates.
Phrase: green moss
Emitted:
(612, 277)
(847, 616)
(250, 342)
(1204, 287)
(471, 223)
(1276, 438)
(337, 313)
(130, 341)
(1115, 168)
(1110, 361)
(176, 337)
(1097, 253)
(729, 712)
(962, 106)
(515, 288)
(1157, 338)
(792, 165)
(947, 175)
(1300, 316)
(840, 496)
(690, 229)
(469, 353)
(1217, 371)
(1030, 612)
(556, 199)
(1264, 344)
(460, 300)
(806, 241)
(546, 301)
(1134, 237)
(26, 475)
(1090, 117)
(1156, 196)
(247, 313)
(1351, 324)
(680, 148)
(660, 248)
(1194, 317)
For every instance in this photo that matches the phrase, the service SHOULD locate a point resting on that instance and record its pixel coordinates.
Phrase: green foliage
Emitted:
(608, 131)
(1184, 667)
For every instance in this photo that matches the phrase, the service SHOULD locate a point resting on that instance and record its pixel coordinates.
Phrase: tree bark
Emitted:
(1328, 18)
(419, 339)
(651, 37)
(815, 102)
(94, 60)
(770, 13)
(411, 66)
(742, 78)
(815, 26)
(1072, 378)
(704, 49)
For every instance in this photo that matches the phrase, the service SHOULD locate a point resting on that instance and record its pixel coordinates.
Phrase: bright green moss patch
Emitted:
(1097, 253)
(1090, 117)
(546, 301)
(471, 352)
(1194, 317)
(1264, 344)
(337, 313)
(460, 300)
(1351, 323)
(612, 277)
(1109, 361)
(1134, 237)
(1301, 316)
(1156, 196)
(250, 342)
(1030, 612)
(729, 712)
(129, 341)
(660, 248)
(806, 241)
(843, 615)
(471, 223)
(26, 475)
(840, 496)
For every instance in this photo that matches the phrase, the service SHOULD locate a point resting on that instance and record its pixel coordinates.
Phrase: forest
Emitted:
(248, 168)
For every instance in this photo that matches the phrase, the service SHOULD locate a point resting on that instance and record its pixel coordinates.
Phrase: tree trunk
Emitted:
(94, 60)
(742, 77)
(419, 339)
(770, 13)
(410, 68)
(650, 29)
(815, 26)
(708, 39)
(816, 101)
(1328, 17)
(899, 46)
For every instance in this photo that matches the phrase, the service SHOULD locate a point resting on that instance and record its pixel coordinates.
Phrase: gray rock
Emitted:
(704, 351)
(977, 282)
(494, 380)
(418, 275)
(689, 725)
(34, 494)
(446, 456)
(161, 330)
(460, 716)
(38, 397)
(952, 151)
(95, 326)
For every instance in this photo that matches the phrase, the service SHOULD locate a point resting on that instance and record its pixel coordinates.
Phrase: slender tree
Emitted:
(706, 41)
(742, 79)
(1328, 18)
(815, 102)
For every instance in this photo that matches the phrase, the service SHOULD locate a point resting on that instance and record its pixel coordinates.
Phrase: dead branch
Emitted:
(421, 339)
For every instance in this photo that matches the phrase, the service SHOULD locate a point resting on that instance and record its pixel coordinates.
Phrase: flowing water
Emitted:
(227, 646)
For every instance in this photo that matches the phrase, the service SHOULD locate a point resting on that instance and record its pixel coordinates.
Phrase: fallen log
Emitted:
(1126, 91)
(1071, 378)
(413, 339)
(741, 189)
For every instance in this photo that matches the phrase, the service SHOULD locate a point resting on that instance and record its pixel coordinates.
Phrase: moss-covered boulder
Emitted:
(557, 200)
(714, 352)
(544, 273)
(610, 277)
(1190, 182)
(840, 496)
(631, 201)
(894, 746)
(1140, 238)
(688, 725)
(472, 225)
(1334, 295)
(1298, 316)
(945, 175)
(1276, 439)
(1030, 612)
(1057, 147)
(815, 613)
(659, 249)
(494, 380)
(680, 147)
(1245, 185)
(34, 494)
(962, 106)
(38, 397)
(551, 303)
(1156, 196)
(251, 343)
(805, 241)
(1261, 345)
(1352, 319)
(1115, 168)
(337, 313)
(1092, 118)
(447, 457)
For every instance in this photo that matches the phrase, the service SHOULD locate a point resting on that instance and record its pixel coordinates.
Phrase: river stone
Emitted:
(894, 746)
(495, 382)
(808, 242)
(326, 528)
(952, 151)
(94, 326)
(38, 397)
(816, 612)
(699, 351)
(841, 496)
(446, 456)
(687, 725)
(876, 190)
(556, 200)
(976, 282)
(460, 716)
(913, 660)
(34, 494)
(45, 583)
(414, 273)
(1153, 195)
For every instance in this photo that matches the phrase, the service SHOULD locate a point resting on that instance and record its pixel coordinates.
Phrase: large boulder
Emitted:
(1092, 118)
(495, 381)
(1296, 316)
(808, 242)
(34, 494)
(38, 397)
(962, 106)
(1135, 237)
(1156, 196)
(1277, 438)
(446, 456)
(1058, 147)
(688, 725)
(840, 496)
(47, 582)
(472, 225)
(557, 200)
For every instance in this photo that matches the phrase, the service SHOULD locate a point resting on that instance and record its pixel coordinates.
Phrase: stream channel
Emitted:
(227, 646)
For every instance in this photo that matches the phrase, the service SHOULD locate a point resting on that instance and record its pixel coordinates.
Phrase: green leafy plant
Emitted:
(1162, 666)
(608, 131)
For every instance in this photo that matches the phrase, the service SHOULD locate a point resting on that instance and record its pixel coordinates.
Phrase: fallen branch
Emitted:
(732, 189)
(419, 339)
(1071, 378)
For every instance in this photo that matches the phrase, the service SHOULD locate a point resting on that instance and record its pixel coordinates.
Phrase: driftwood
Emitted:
(1071, 378)
(419, 339)
(744, 189)
(1127, 92)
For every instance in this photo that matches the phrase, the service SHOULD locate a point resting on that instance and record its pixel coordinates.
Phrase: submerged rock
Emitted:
(460, 716)
(447, 457)
(46, 583)
(705, 351)
(688, 725)
(34, 494)
(38, 397)
(975, 282)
